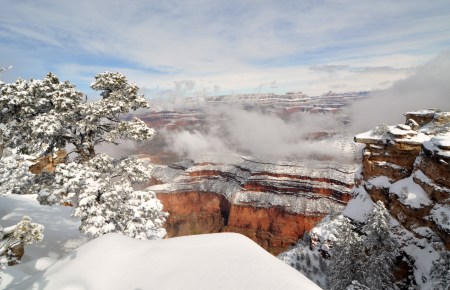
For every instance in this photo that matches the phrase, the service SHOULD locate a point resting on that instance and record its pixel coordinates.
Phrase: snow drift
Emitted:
(217, 261)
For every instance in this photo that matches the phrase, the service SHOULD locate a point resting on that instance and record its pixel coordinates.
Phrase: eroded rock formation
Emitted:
(408, 168)
(272, 203)
(48, 163)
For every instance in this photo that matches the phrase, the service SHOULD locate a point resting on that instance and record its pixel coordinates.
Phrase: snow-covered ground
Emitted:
(61, 235)
(113, 261)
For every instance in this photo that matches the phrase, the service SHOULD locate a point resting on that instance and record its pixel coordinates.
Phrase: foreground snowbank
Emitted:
(219, 261)
(216, 261)
(61, 235)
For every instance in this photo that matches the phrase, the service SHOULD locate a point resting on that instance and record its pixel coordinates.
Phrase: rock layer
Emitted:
(274, 204)
(274, 228)
(416, 165)
(192, 213)
(407, 167)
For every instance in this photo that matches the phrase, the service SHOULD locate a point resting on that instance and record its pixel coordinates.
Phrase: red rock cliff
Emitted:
(408, 168)
(273, 204)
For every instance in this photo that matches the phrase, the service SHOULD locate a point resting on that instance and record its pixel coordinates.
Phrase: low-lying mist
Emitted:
(231, 130)
(235, 131)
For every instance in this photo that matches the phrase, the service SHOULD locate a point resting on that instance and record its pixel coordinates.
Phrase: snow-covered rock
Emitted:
(407, 168)
(272, 202)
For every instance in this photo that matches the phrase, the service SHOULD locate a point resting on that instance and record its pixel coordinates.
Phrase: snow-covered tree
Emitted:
(347, 257)
(380, 130)
(14, 238)
(440, 272)
(381, 248)
(15, 176)
(357, 286)
(43, 117)
(101, 191)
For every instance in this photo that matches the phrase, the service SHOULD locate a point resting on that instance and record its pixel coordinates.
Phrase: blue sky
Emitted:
(224, 46)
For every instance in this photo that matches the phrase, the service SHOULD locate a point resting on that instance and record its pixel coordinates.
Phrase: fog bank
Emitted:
(232, 130)
(428, 87)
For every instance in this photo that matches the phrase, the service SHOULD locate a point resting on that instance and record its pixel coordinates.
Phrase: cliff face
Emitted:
(192, 213)
(273, 228)
(274, 204)
(408, 168)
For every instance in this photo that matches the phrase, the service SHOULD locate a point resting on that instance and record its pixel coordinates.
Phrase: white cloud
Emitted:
(428, 87)
(234, 44)
(231, 130)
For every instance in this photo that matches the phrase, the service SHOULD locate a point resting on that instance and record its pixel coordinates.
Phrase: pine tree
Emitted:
(440, 272)
(23, 233)
(381, 249)
(43, 117)
(347, 257)
(357, 286)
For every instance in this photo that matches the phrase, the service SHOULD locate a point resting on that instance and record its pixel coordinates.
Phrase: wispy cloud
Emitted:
(234, 44)
(427, 87)
(232, 130)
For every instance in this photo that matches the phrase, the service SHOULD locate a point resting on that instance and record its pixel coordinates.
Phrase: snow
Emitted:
(410, 193)
(380, 181)
(308, 204)
(424, 232)
(435, 146)
(418, 174)
(307, 261)
(397, 134)
(399, 131)
(113, 261)
(326, 229)
(440, 214)
(370, 137)
(442, 141)
(61, 234)
(421, 137)
(359, 206)
(404, 127)
(439, 145)
(424, 255)
(421, 112)
(219, 261)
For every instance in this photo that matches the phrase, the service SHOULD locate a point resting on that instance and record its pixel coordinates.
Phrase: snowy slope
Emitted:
(61, 235)
(216, 261)
(220, 261)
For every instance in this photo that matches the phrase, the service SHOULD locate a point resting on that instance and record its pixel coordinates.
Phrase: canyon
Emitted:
(272, 202)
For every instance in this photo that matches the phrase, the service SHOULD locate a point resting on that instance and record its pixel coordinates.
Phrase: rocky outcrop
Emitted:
(192, 213)
(273, 203)
(48, 163)
(273, 228)
(408, 168)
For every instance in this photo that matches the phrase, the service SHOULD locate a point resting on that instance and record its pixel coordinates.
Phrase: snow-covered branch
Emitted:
(42, 117)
